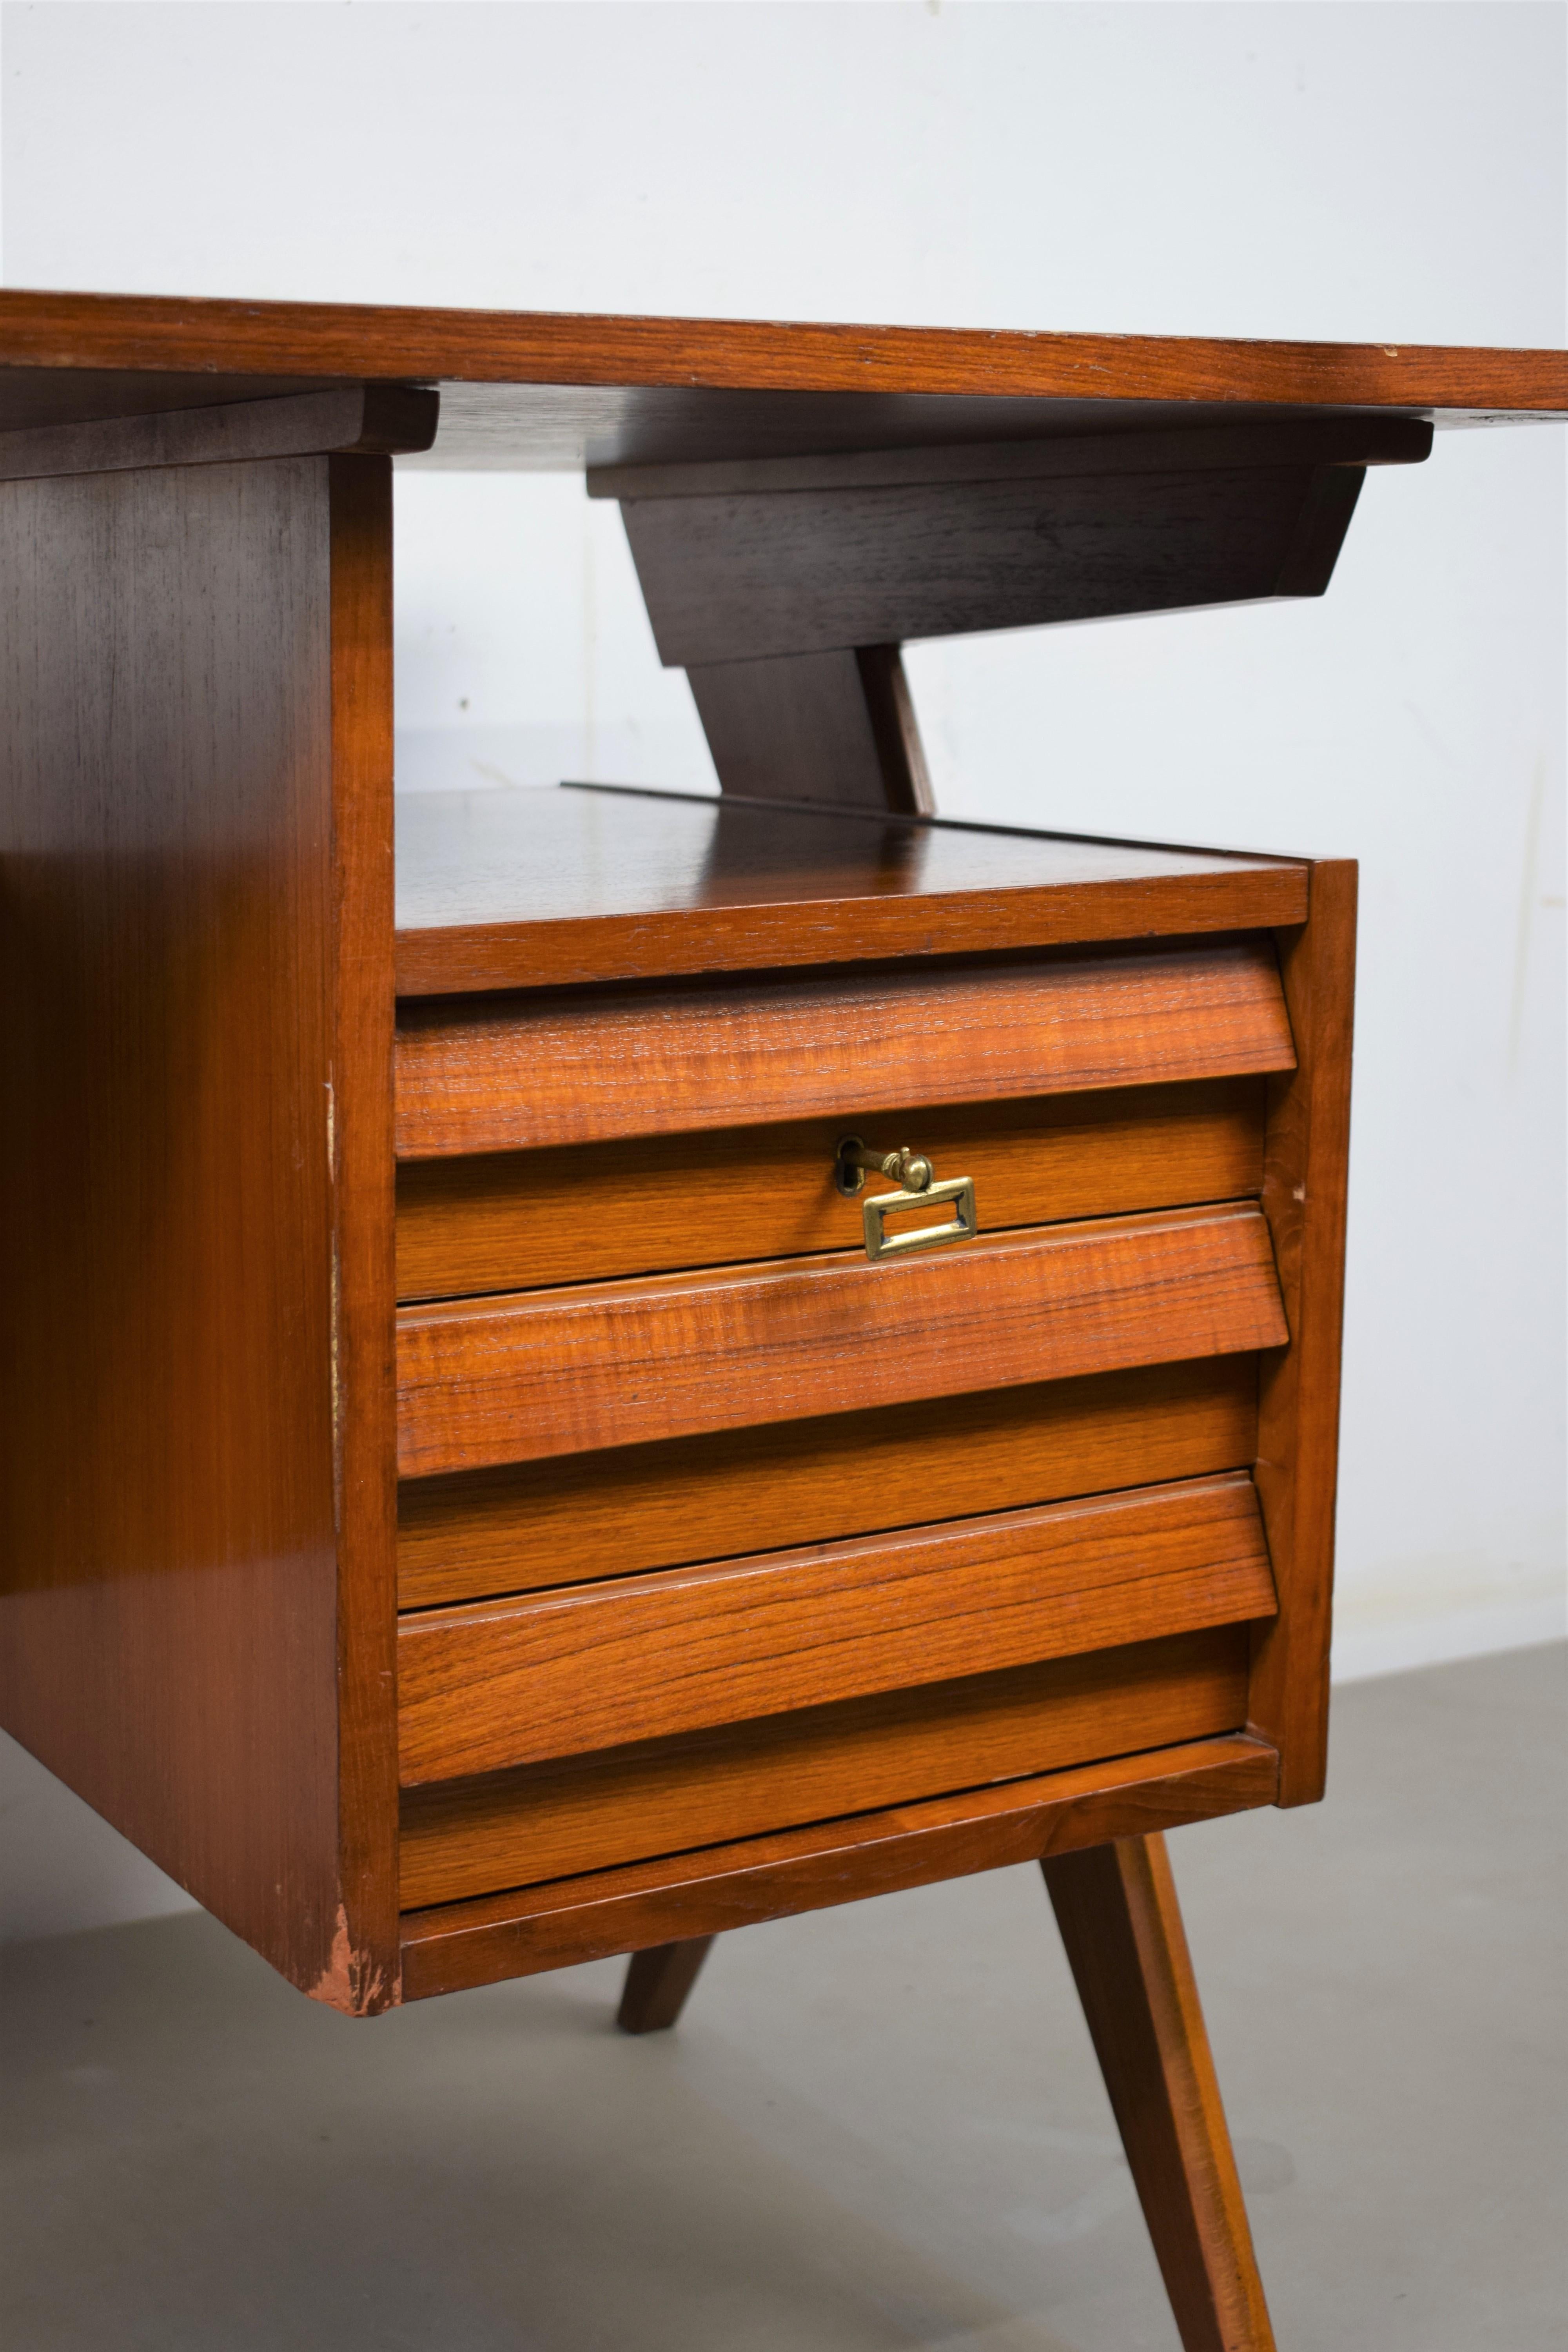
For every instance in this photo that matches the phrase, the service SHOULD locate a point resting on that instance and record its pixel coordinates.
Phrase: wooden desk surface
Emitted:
(515, 889)
(543, 390)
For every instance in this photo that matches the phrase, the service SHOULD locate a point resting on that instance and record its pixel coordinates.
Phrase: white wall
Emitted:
(1389, 172)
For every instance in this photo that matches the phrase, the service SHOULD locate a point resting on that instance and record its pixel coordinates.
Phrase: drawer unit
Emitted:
(710, 1525)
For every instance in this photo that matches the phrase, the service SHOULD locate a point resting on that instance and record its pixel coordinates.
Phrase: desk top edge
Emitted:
(225, 349)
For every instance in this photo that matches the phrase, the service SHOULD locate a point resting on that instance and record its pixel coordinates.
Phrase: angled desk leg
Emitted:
(657, 1982)
(1122, 1924)
(1116, 1907)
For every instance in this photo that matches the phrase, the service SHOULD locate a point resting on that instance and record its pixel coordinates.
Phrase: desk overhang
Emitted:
(555, 391)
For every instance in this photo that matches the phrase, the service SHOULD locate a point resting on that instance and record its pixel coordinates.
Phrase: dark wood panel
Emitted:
(457, 1945)
(1306, 1165)
(174, 981)
(564, 1371)
(588, 1515)
(907, 785)
(526, 887)
(735, 368)
(518, 1073)
(1364, 439)
(832, 727)
(518, 1220)
(749, 577)
(371, 419)
(472, 1837)
(502, 1683)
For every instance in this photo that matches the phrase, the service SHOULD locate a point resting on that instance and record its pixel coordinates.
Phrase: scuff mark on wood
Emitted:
(352, 1982)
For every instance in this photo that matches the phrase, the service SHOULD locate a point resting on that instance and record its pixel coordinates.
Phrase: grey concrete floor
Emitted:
(879, 2126)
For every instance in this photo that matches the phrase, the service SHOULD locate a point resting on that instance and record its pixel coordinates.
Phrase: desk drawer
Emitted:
(700, 1788)
(587, 1213)
(571, 1518)
(510, 1074)
(496, 1684)
(610, 1364)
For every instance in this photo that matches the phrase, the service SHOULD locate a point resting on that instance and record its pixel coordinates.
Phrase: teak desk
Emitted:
(473, 1499)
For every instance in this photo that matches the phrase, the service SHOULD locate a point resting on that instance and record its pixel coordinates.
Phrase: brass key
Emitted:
(909, 1169)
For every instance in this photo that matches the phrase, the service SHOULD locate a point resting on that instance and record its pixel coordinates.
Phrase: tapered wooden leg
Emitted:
(1116, 1905)
(657, 1983)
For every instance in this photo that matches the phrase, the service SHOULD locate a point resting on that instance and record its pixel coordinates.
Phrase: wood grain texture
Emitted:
(363, 1370)
(1307, 1154)
(498, 1684)
(518, 1074)
(519, 1219)
(828, 726)
(560, 389)
(1116, 1905)
(526, 887)
(657, 1983)
(371, 419)
(457, 1945)
(564, 1371)
(589, 1515)
(172, 978)
(465, 1838)
(754, 576)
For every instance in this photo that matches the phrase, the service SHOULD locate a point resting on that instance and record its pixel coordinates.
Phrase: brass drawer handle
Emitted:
(913, 1171)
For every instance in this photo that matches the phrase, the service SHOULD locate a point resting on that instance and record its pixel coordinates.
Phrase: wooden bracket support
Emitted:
(835, 726)
(784, 586)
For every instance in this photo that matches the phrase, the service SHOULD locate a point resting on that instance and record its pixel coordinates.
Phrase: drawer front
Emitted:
(518, 1220)
(548, 1069)
(561, 1371)
(589, 1812)
(569, 1518)
(502, 1684)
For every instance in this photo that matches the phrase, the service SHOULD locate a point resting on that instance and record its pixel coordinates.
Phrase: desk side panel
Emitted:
(168, 1616)
(366, 1958)
(1306, 1157)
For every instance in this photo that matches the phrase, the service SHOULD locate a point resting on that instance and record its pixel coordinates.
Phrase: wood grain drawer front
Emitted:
(515, 1221)
(563, 1371)
(524, 1073)
(575, 1517)
(733, 1780)
(641, 1657)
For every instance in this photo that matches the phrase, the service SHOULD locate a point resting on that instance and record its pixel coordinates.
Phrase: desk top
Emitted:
(551, 390)
(544, 886)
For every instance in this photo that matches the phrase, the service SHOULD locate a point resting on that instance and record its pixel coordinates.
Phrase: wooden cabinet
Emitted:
(709, 1525)
(471, 1503)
